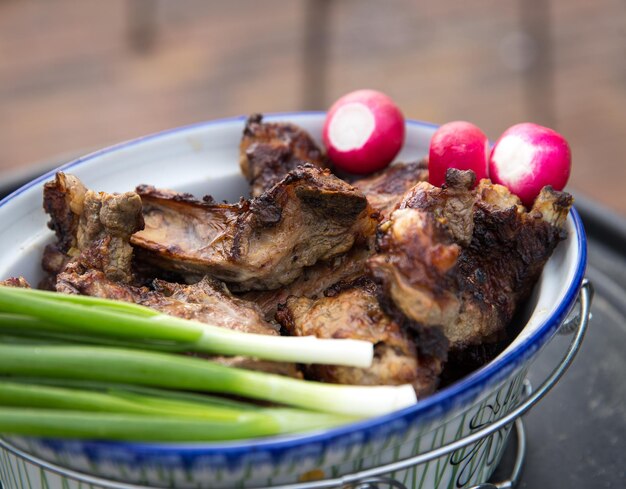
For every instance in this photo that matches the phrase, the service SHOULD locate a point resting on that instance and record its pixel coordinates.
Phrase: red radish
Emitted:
(363, 131)
(460, 145)
(527, 157)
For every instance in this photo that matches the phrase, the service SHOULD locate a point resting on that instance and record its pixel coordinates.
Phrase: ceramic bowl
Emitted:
(203, 159)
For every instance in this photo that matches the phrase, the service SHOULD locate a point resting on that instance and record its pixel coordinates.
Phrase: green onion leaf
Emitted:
(186, 373)
(66, 314)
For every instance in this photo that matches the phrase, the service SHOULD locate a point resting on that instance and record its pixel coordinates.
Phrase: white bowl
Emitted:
(203, 159)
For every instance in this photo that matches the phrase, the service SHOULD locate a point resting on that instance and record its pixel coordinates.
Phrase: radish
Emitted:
(363, 131)
(527, 157)
(460, 145)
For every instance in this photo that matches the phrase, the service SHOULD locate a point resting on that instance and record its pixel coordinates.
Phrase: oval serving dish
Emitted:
(203, 159)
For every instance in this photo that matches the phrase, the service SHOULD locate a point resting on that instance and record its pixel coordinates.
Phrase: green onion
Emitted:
(63, 314)
(109, 387)
(246, 421)
(25, 329)
(131, 427)
(166, 370)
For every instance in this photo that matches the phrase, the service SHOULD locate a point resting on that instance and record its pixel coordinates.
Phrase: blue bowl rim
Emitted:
(437, 405)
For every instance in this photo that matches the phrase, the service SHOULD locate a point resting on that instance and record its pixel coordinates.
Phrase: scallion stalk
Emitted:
(131, 427)
(186, 373)
(160, 405)
(55, 313)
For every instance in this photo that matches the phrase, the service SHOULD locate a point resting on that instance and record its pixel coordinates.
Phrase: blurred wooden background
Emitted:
(76, 75)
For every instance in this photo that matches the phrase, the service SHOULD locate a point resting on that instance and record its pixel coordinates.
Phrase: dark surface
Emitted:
(577, 433)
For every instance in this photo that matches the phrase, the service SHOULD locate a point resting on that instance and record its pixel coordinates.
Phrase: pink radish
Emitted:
(363, 131)
(460, 145)
(528, 157)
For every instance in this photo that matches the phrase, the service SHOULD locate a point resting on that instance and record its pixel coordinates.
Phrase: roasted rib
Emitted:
(97, 262)
(309, 216)
(93, 227)
(464, 260)
(352, 311)
(314, 280)
(386, 188)
(19, 282)
(207, 301)
(270, 150)
(383, 191)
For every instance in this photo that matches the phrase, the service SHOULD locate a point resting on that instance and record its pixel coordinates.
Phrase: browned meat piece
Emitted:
(386, 188)
(104, 231)
(182, 233)
(268, 151)
(313, 281)
(265, 243)
(451, 206)
(76, 279)
(63, 201)
(352, 311)
(550, 206)
(94, 227)
(416, 264)
(464, 260)
(54, 260)
(97, 262)
(16, 282)
(207, 301)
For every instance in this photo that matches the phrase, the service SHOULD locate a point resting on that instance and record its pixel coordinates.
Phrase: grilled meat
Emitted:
(452, 207)
(352, 311)
(268, 151)
(207, 301)
(96, 261)
(262, 244)
(104, 230)
(313, 281)
(386, 188)
(464, 260)
(16, 282)
(93, 227)
(450, 268)
(99, 260)
(63, 202)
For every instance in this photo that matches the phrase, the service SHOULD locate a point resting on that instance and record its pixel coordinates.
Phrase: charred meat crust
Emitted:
(464, 260)
(63, 202)
(320, 193)
(149, 191)
(268, 151)
(414, 263)
(314, 281)
(92, 227)
(19, 282)
(451, 267)
(207, 301)
(351, 310)
(451, 205)
(517, 245)
(386, 188)
(104, 230)
(262, 244)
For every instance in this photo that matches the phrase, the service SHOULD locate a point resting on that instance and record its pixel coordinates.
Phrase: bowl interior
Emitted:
(203, 159)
